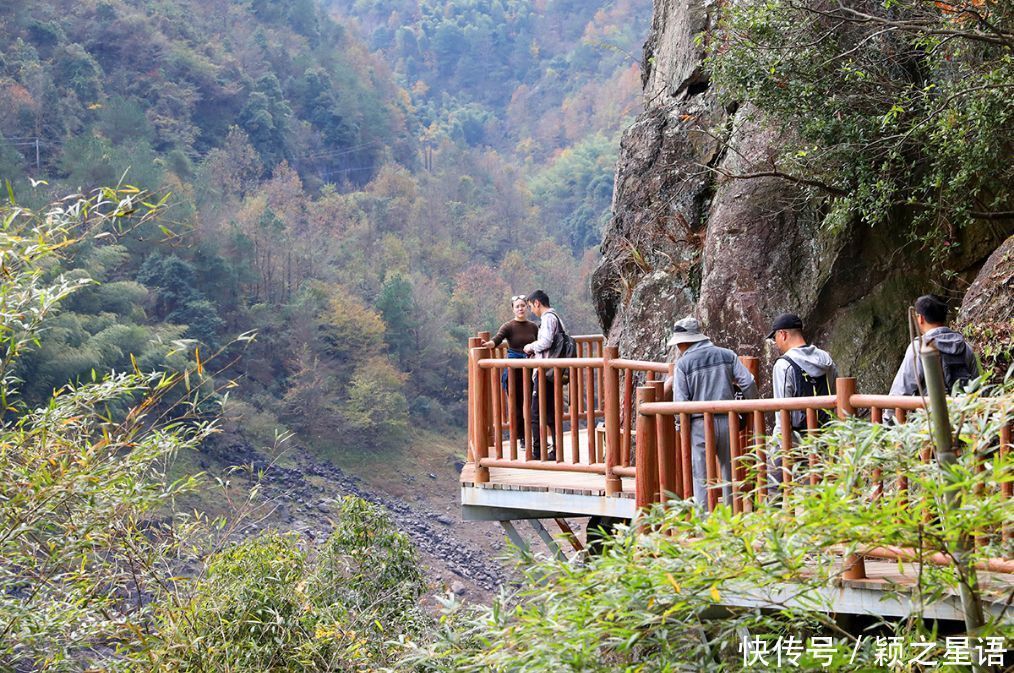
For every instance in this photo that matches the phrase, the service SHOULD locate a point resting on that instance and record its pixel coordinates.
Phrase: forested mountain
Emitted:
(108, 84)
(549, 83)
(361, 207)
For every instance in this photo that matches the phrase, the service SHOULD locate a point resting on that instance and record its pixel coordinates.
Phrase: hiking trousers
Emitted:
(550, 415)
(697, 456)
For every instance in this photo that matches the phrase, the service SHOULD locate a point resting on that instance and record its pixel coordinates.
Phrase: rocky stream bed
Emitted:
(302, 498)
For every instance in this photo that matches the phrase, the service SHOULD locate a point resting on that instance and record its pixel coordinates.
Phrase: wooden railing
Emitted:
(590, 421)
(606, 419)
(496, 410)
(664, 462)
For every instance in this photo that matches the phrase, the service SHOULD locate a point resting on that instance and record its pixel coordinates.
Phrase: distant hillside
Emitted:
(103, 84)
(550, 84)
(313, 200)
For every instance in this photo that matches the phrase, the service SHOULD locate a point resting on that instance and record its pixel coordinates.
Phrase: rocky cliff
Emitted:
(686, 237)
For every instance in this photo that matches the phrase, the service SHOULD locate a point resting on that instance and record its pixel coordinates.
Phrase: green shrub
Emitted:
(649, 602)
(83, 488)
(269, 604)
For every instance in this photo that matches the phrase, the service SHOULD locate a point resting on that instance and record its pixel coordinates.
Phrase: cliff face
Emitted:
(686, 238)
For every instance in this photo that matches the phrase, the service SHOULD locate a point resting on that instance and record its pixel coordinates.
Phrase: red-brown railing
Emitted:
(662, 459)
(575, 410)
(609, 408)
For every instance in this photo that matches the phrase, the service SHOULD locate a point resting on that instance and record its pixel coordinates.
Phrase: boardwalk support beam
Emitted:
(514, 536)
(541, 531)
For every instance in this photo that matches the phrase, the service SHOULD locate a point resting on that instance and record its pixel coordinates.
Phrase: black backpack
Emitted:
(956, 370)
(563, 346)
(808, 386)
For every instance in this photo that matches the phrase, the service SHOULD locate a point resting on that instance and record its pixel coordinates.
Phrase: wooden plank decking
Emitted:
(886, 591)
(519, 493)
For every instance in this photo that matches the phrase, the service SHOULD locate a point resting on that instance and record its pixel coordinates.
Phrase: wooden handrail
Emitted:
(887, 402)
(641, 365)
(740, 406)
(601, 385)
(593, 468)
(539, 363)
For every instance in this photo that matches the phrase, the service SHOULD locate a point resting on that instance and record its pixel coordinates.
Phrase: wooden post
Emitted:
(473, 342)
(877, 417)
(479, 432)
(558, 412)
(526, 387)
(853, 565)
(665, 428)
(628, 415)
(575, 434)
(785, 428)
(589, 406)
(646, 488)
(746, 433)
(762, 461)
(611, 379)
(710, 462)
(600, 406)
(543, 430)
(811, 428)
(845, 388)
(512, 411)
(495, 396)
(686, 456)
(753, 366)
(735, 453)
(487, 400)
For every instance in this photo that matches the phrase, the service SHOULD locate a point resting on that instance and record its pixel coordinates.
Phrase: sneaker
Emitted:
(551, 456)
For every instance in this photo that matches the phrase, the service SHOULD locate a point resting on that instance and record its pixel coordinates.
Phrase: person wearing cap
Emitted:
(802, 370)
(704, 373)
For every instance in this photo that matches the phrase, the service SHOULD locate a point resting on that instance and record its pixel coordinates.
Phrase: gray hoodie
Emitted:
(910, 377)
(813, 361)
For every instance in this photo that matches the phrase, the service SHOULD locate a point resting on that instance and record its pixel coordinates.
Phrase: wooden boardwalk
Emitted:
(619, 408)
(520, 493)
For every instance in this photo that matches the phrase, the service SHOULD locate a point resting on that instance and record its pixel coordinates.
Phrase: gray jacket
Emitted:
(813, 361)
(706, 372)
(549, 324)
(910, 376)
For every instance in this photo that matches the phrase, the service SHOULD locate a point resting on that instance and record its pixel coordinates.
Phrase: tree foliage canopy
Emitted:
(897, 106)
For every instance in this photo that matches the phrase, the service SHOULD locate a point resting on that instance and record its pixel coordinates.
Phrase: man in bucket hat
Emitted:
(705, 372)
